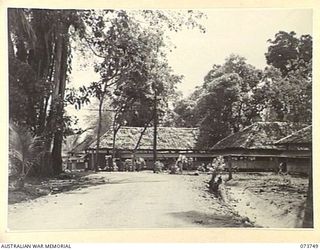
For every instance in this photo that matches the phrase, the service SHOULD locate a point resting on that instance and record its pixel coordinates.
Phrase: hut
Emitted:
(171, 142)
(76, 158)
(297, 151)
(254, 148)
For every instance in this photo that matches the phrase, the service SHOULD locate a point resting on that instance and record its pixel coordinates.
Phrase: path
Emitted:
(128, 200)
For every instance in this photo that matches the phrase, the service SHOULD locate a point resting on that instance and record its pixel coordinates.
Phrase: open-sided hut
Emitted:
(171, 142)
(297, 151)
(254, 148)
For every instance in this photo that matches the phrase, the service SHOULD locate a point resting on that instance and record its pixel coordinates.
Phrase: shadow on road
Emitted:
(126, 181)
(210, 220)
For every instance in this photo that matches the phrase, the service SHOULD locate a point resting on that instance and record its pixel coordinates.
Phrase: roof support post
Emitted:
(229, 167)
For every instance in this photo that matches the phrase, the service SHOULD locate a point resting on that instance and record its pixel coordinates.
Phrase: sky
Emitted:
(242, 32)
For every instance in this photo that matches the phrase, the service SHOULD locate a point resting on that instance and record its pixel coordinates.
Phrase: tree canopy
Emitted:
(236, 94)
(288, 53)
(132, 65)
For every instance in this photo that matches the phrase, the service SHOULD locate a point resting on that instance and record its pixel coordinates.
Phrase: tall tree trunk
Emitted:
(56, 153)
(58, 95)
(155, 125)
(10, 46)
(97, 161)
(45, 103)
(115, 131)
(138, 143)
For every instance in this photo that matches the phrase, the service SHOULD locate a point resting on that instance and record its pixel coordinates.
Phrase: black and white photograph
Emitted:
(159, 118)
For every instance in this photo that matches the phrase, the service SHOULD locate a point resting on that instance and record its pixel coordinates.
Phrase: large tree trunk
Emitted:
(10, 46)
(115, 131)
(56, 153)
(43, 115)
(58, 95)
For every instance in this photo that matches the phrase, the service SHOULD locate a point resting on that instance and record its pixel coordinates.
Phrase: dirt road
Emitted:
(127, 200)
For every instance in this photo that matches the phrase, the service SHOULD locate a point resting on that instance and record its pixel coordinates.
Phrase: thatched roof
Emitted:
(167, 139)
(303, 136)
(82, 146)
(260, 135)
(77, 143)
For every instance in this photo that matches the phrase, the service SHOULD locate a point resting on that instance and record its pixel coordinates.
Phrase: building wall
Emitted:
(91, 160)
(81, 165)
(257, 163)
(294, 165)
(102, 160)
(298, 165)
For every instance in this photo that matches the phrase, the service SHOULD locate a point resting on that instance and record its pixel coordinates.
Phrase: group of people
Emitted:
(181, 163)
(116, 164)
(175, 167)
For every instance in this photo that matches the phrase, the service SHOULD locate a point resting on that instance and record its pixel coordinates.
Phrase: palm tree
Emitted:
(25, 151)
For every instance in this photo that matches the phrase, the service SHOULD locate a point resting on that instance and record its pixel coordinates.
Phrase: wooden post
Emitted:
(92, 160)
(155, 124)
(229, 167)
(308, 215)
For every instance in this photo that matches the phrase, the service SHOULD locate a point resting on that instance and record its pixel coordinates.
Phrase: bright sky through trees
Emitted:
(243, 32)
(232, 31)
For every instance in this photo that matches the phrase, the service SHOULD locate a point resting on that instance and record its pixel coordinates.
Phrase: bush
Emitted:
(25, 152)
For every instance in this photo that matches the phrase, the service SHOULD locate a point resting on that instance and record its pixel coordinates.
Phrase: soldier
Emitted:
(180, 166)
(282, 168)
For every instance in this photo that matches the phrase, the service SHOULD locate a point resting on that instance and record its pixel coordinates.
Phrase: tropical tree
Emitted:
(133, 69)
(224, 103)
(123, 49)
(184, 109)
(39, 41)
(280, 98)
(285, 92)
(25, 89)
(288, 53)
(217, 107)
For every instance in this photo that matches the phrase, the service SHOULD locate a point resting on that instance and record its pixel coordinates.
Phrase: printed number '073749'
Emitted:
(308, 245)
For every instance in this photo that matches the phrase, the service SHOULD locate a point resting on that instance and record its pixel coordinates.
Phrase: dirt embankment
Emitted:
(267, 199)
